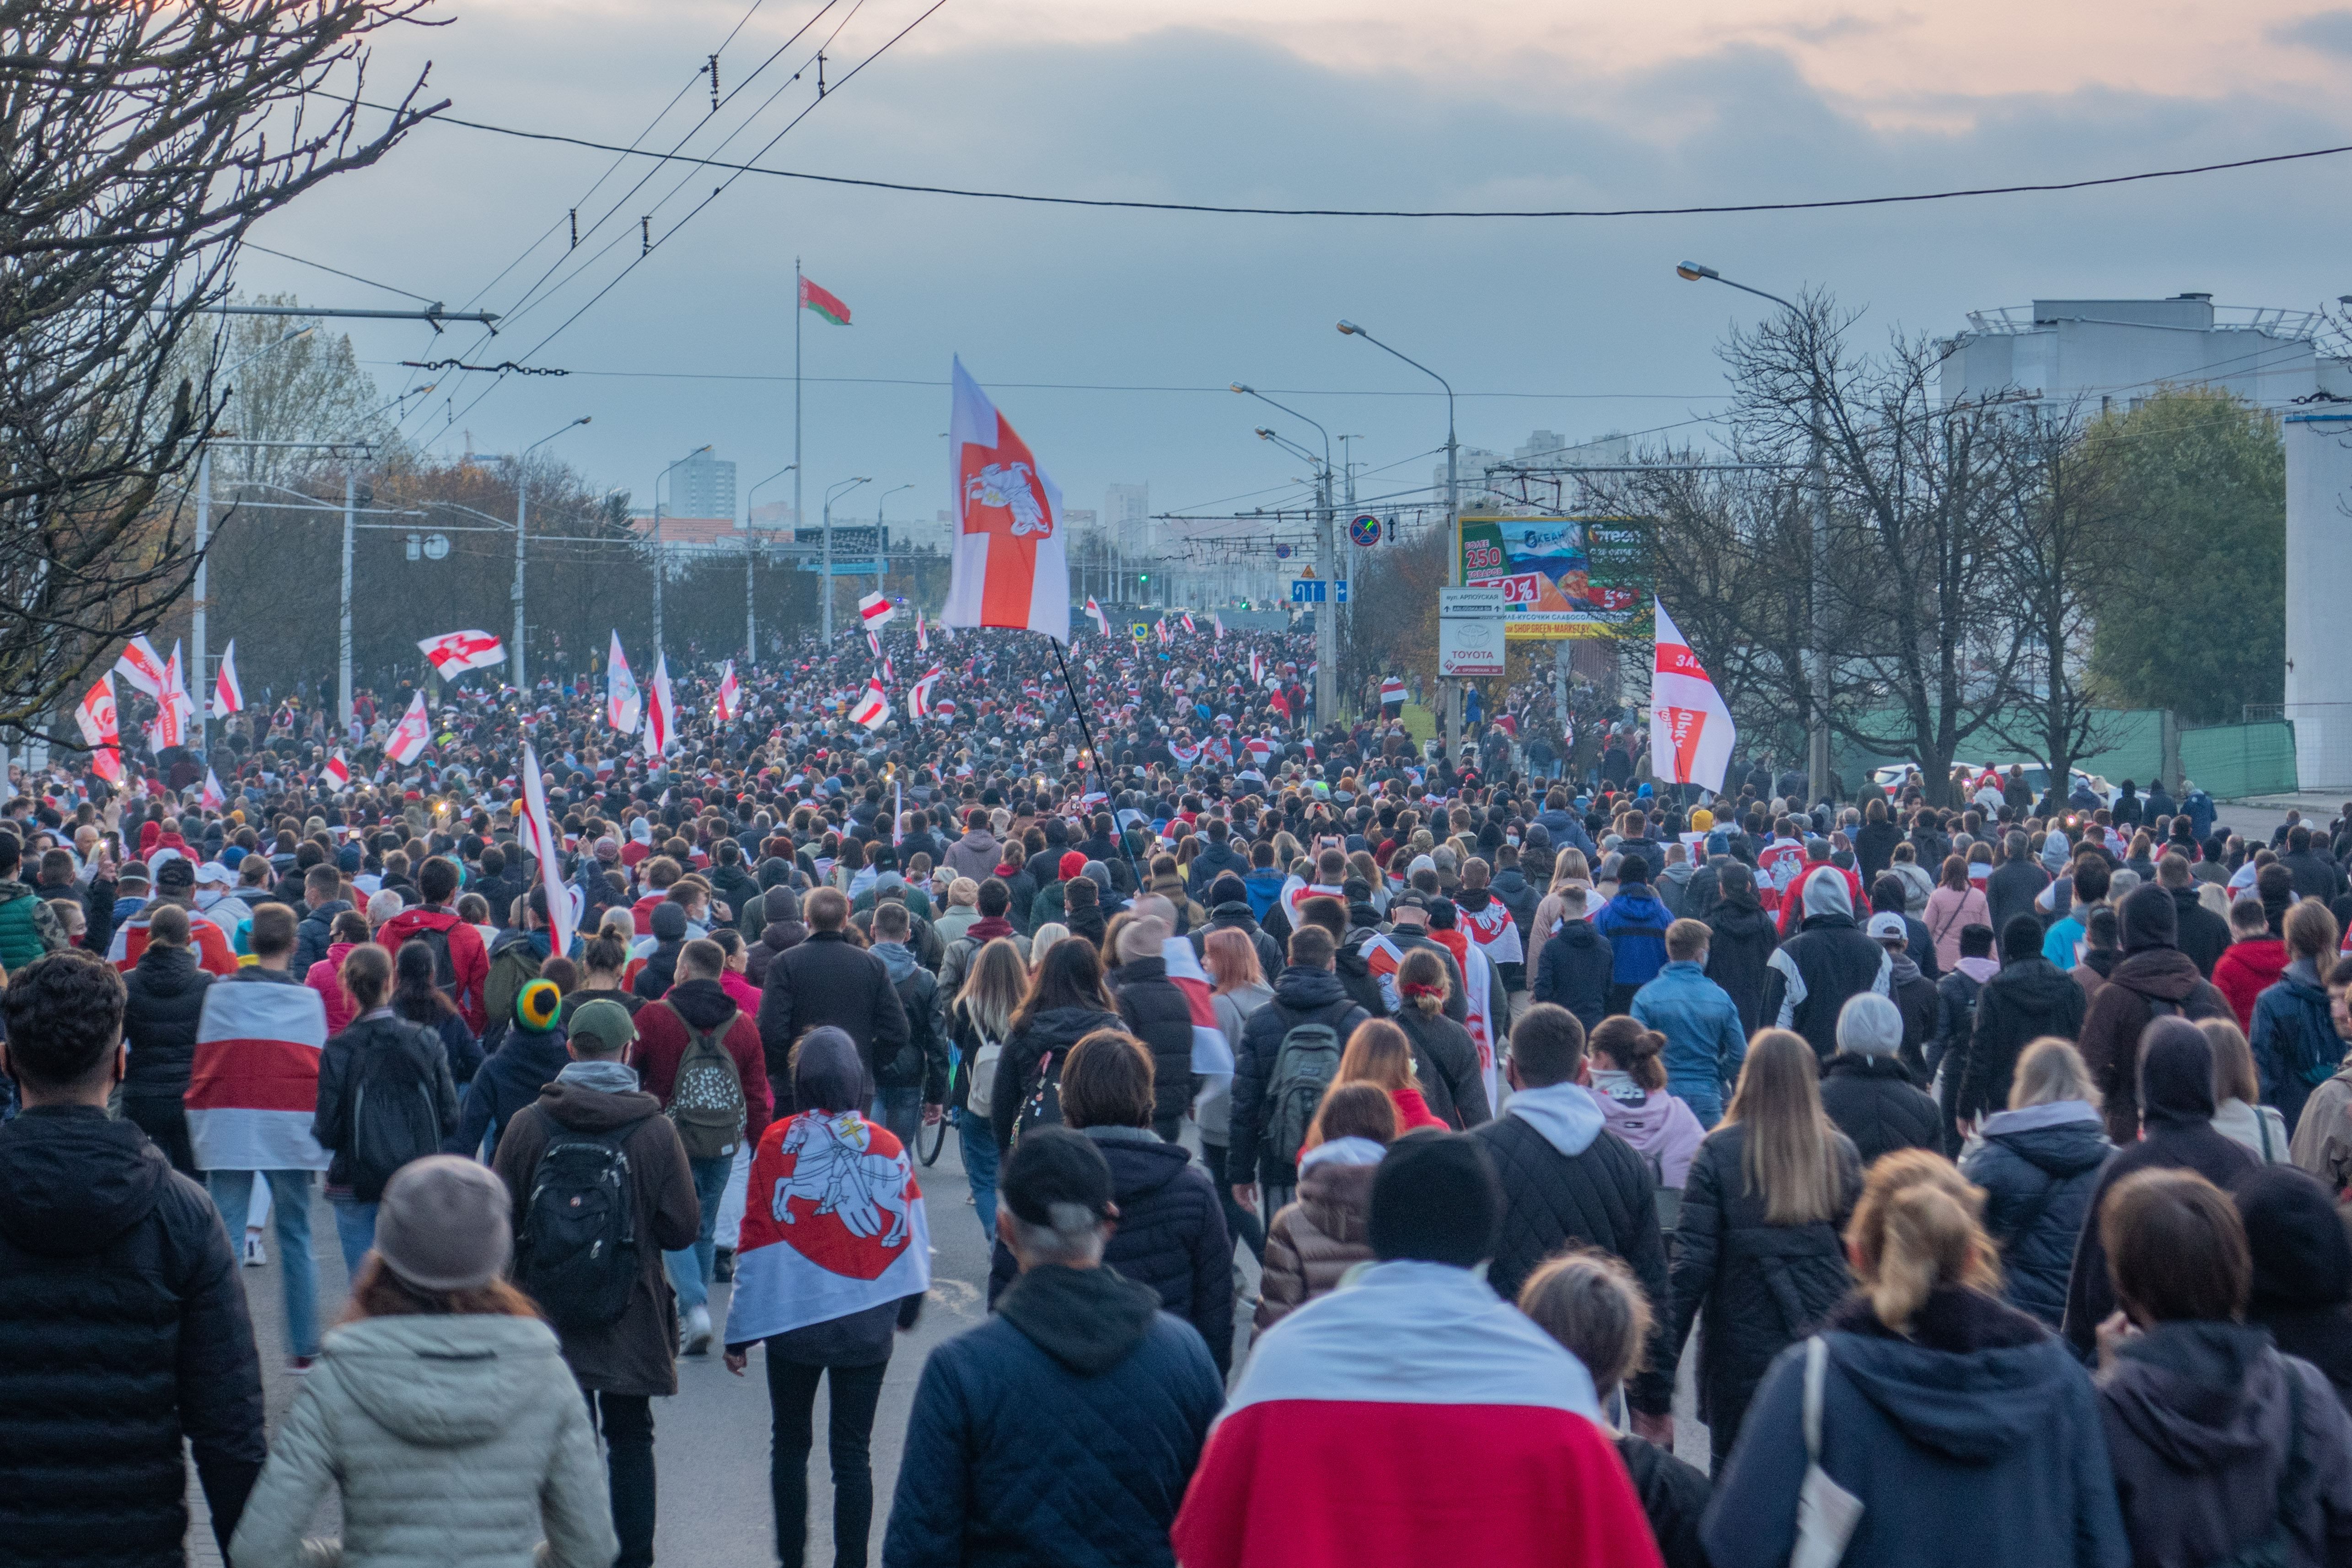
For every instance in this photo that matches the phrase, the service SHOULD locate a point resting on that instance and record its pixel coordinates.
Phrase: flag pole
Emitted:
(825, 585)
(1086, 731)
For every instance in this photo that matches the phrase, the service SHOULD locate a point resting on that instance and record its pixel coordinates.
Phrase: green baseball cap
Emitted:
(606, 1023)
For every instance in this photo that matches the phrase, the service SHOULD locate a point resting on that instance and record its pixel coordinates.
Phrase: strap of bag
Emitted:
(1817, 1361)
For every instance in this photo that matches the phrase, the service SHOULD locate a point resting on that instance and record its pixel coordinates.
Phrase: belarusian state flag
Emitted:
(834, 1225)
(621, 700)
(228, 693)
(1691, 733)
(1212, 1052)
(824, 302)
(1009, 569)
(407, 739)
(454, 653)
(254, 1087)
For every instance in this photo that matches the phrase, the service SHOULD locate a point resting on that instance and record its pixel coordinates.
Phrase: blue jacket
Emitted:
(1705, 1041)
(1063, 1430)
(509, 1079)
(1264, 887)
(1636, 923)
(2295, 1044)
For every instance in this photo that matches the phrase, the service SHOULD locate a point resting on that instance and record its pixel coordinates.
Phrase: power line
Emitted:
(1232, 211)
(306, 261)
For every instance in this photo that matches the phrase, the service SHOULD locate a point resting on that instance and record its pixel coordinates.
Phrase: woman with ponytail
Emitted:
(1629, 1082)
(1444, 1059)
(1965, 1428)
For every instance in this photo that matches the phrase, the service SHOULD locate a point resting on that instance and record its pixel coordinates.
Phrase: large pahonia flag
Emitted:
(833, 1223)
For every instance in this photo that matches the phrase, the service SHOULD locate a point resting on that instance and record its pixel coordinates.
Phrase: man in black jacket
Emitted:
(1229, 910)
(322, 900)
(2015, 883)
(123, 1323)
(1810, 976)
(164, 997)
(1576, 966)
(827, 979)
(1866, 1089)
(1218, 859)
(2197, 930)
(1567, 1181)
(1307, 992)
(1156, 1012)
(2028, 998)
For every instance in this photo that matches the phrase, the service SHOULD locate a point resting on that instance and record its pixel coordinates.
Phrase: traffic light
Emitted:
(1143, 576)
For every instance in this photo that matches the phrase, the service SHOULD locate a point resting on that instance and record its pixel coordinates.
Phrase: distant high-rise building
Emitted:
(699, 486)
(1127, 516)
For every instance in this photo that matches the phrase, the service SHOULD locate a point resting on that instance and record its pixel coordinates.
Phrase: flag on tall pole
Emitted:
(621, 700)
(407, 741)
(228, 695)
(455, 653)
(96, 716)
(824, 302)
(1691, 733)
(1009, 568)
(549, 849)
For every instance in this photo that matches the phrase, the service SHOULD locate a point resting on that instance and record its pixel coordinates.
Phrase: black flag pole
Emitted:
(1094, 754)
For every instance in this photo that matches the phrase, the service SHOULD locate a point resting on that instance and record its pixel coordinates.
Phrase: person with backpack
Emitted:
(980, 1020)
(1066, 1003)
(515, 957)
(1287, 1055)
(601, 1189)
(385, 1098)
(911, 1086)
(699, 1057)
(460, 966)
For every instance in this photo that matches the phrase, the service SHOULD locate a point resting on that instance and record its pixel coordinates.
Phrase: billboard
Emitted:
(848, 537)
(1561, 576)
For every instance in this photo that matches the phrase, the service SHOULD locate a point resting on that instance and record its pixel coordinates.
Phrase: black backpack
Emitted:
(576, 1246)
(393, 1116)
(1044, 1106)
(445, 965)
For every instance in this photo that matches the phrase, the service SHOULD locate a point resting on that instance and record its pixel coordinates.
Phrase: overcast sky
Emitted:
(1577, 326)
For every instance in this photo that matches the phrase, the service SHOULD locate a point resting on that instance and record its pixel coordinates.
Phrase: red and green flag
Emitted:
(823, 303)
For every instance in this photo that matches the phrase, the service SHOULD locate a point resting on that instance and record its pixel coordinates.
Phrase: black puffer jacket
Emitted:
(1154, 1011)
(1046, 1039)
(2028, 998)
(1172, 1235)
(1446, 1062)
(389, 1053)
(1736, 953)
(1602, 1197)
(1301, 996)
(314, 934)
(1876, 1101)
(2038, 1167)
(1759, 1286)
(122, 1330)
(1575, 971)
(164, 997)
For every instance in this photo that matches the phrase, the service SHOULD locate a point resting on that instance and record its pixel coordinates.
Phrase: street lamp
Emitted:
(1817, 748)
(522, 520)
(750, 612)
(204, 542)
(1327, 564)
(657, 543)
(825, 571)
(881, 559)
(1453, 510)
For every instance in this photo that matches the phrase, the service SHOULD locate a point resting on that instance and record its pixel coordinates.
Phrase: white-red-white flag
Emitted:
(1188, 621)
(922, 634)
(173, 707)
(1258, 668)
(548, 847)
(661, 710)
(229, 695)
(873, 709)
(1218, 621)
(337, 773)
(621, 700)
(455, 653)
(253, 1089)
(1691, 733)
(213, 797)
(918, 700)
(1009, 568)
(876, 610)
(1094, 614)
(143, 667)
(874, 643)
(96, 716)
(1393, 691)
(407, 740)
(1160, 626)
(730, 695)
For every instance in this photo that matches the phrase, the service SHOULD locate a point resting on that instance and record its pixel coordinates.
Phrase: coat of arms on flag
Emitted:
(454, 653)
(1009, 567)
(834, 1223)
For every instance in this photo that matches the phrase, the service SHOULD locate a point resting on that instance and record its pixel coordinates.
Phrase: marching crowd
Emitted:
(1985, 1157)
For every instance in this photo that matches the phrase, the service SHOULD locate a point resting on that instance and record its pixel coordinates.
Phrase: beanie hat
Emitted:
(668, 922)
(1435, 1198)
(2302, 1254)
(1869, 1024)
(537, 1004)
(2021, 938)
(444, 1223)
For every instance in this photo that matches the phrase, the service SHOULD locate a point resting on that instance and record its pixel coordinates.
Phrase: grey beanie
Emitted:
(445, 1224)
(1869, 1026)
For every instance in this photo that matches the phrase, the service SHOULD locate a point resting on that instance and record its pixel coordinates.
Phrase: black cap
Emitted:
(1053, 1165)
(1410, 899)
(1435, 1198)
(179, 871)
(1228, 888)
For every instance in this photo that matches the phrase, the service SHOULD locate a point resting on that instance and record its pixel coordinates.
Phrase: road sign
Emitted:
(846, 568)
(1307, 590)
(1474, 603)
(848, 537)
(1282, 552)
(1364, 529)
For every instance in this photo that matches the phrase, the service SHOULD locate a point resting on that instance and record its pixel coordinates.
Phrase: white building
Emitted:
(2318, 587)
(2118, 353)
(699, 486)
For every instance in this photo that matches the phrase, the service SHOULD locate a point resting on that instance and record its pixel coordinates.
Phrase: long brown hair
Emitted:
(378, 1292)
(1378, 1052)
(1789, 1158)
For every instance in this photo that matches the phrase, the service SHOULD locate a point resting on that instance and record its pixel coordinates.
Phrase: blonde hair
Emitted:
(1378, 1052)
(1918, 1225)
(1589, 1300)
(2047, 1070)
(1042, 941)
(1230, 959)
(1572, 867)
(993, 986)
(1789, 1157)
(2233, 1062)
(2311, 932)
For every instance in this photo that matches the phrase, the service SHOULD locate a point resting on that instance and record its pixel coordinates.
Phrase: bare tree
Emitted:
(142, 140)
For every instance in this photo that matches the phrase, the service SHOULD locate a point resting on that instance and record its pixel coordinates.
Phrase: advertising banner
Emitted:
(1561, 576)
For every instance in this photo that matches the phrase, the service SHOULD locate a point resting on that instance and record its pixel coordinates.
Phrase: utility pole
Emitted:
(196, 612)
(343, 635)
(1817, 760)
(522, 526)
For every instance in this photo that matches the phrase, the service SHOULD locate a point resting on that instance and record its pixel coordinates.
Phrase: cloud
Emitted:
(2327, 31)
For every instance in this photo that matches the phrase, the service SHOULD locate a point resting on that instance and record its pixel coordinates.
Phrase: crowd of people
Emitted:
(1361, 1139)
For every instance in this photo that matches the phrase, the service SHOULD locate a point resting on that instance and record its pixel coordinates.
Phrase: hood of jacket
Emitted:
(1308, 990)
(1232, 915)
(442, 1382)
(2176, 1076)
(2032, 983)
(1089, 1319)
(2197, 1393)
(898, 960)
(1578, 932)
(167, 971)
(1970, 1405)
(1139, 1162)
(2165, 974)
(2062, 1139)
(1740, 917)
(703, 1004)
(1060, 1028)
(1641, 1117)
(1826, 895)
(1867, 1064)
(1566, 1114)
(589, 1108)
(1338, 1197)
(777, 936)
(72, 1179)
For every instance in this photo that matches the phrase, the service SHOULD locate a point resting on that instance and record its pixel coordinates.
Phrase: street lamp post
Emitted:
(204, 540)
(1817, 749)
(881, 559)
(657, 544)
(1327, 565)
(1453, 519)
(522, 526)
(825, 571)
(750, 612)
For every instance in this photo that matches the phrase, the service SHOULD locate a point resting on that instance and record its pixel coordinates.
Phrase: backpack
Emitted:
(445, 965)
(706, 1098)
(1044, 1106)
(393, 1118)
(576, 1246)
(1303, 1066)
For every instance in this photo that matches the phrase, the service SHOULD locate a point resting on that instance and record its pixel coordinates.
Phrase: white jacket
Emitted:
(457, 1442)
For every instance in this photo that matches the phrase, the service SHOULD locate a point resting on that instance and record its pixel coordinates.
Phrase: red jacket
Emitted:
(662, 1039)
(2247, 969)
(472, 964)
